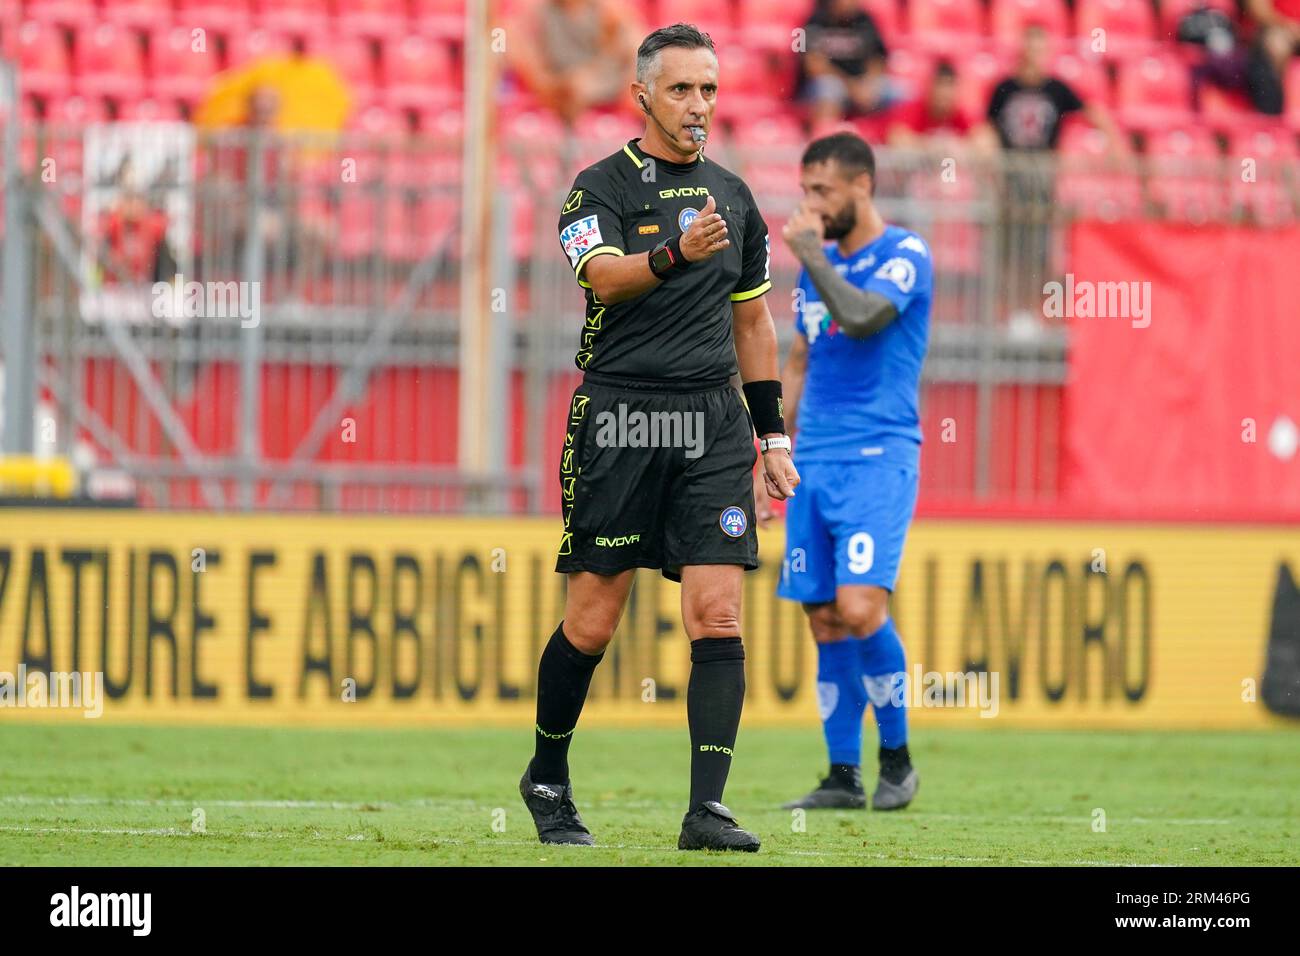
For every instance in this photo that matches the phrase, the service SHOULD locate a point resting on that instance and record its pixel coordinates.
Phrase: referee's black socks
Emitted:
(563, 677)
(714, 697)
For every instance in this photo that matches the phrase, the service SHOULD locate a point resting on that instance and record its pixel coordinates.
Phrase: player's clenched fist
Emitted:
(706, 235)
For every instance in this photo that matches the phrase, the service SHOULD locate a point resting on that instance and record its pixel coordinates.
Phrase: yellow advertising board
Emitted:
(343, 620)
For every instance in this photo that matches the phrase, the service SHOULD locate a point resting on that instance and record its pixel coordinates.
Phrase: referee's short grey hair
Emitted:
(679, 34)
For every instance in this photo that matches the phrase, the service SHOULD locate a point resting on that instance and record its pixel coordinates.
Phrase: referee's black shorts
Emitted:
(651, 478)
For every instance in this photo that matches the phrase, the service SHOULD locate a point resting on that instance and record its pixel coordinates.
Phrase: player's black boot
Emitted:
(841, 790)
(898, 781)
(711, 826)
(553, 811)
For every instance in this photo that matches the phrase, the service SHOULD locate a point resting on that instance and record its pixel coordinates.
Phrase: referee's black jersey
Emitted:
(680, 331)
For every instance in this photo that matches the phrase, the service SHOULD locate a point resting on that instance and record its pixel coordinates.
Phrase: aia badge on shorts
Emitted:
(733, 522)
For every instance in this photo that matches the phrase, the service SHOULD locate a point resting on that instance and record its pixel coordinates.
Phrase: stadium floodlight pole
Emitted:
(480, 416)
(18, 339)
(250, 339)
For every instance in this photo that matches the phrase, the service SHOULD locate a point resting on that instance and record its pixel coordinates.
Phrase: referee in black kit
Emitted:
(673, 255)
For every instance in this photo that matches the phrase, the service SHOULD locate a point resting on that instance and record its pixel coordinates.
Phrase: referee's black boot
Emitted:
(553, 811)
(711, 826)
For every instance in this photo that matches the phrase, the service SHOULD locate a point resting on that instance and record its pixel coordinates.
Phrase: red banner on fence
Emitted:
(1189, 400)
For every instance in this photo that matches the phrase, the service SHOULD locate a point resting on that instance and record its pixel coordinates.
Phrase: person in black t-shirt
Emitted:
(656, 470)
(1027, 108)
(842, 69)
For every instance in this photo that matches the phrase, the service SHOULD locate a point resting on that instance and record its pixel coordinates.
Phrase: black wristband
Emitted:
(765, 406)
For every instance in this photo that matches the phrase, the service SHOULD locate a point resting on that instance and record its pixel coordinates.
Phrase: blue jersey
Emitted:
(859, 396)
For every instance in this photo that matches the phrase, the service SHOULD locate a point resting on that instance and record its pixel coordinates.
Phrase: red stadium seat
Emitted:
(1186, 174)
(109, 61)
(376, 120)
(977, 75)
(297, 17)
(145, 14)
(1129, 25)
(910, 69)
(149, 111)
(349, 53)
(713, 19)
(43, 60)
(769, 24)
(443, 124)
(76, 110)
(748, 85)
(414, 70)
(245, 47)
(1154, 92)
(1085, 75)
(605, 126)
(176, 69)
(1230, 111)
(67, 13)
(1292, 94)
(1086, 186)
(441, 19)
(226, 17)
(1008, 18)
(944, 17)
(776, 130)
(369, 18)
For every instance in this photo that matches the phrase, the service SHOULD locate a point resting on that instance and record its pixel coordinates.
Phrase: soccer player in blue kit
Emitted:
(851, 384)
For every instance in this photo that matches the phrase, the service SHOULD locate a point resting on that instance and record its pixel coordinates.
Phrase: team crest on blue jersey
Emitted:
(686, 217)
(733, 522)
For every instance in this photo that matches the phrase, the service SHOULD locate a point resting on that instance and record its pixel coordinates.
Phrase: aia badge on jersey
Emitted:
(686, 217)
(580, 236)
(733, 522)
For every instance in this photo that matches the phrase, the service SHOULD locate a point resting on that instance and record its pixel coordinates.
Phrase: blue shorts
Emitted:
(846, 524)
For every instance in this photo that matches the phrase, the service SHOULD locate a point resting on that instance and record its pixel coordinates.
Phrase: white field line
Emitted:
(429, 803)
(487, 844)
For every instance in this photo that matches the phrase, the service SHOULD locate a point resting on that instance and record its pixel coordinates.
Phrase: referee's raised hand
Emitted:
(706, 235)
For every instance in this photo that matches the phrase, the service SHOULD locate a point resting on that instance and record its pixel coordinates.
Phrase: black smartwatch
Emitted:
(666, 258)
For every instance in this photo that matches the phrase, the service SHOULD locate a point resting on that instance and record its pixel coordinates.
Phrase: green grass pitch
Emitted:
(100, 795)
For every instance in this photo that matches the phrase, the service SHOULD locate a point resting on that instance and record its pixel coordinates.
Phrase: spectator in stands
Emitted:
(1256, 70)
(938, 118)
(842, 68)
(135, 232)
(1283, 15)
(576, 54)
(1026, 109)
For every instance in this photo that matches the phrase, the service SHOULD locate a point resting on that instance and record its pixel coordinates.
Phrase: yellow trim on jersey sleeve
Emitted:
(591, 254)
(751, 294)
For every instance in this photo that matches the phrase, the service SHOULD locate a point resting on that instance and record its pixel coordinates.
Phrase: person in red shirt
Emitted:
(938, 117)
